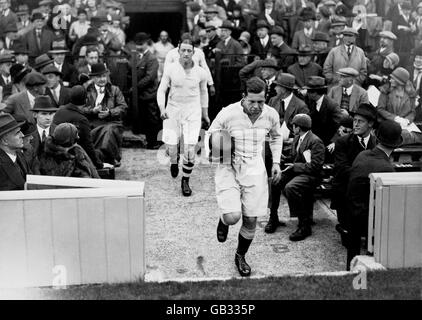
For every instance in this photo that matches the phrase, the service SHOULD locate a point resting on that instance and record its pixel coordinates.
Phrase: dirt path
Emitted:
(181, 232)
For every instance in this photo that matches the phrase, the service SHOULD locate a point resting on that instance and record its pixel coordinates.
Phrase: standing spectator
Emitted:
(161, 48)
(346, 55)
(7, 16)
(262, 44)
(238, 21)
(40, 39)
(21, 53)
(212, 17)
(69, 73)
(418, 21)
(58, 93)
(116, 29)
(6, 61)
(228, 5)
(269, 70)
(304, 67)
(251, 11)
(229, 46)
(336, 31)
(304, 37)
(270, 15)
(320, 45)
(13, 166)
(11, 32)
(24, 24)
(93, 10)
(286, 53)
(147, 115)
(80, 27)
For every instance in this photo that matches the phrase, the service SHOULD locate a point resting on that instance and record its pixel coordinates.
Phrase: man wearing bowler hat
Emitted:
(13, 166)
(320, 45)
(229, 46)
(105, 109)
(287, 54)
(40, 39)
(23, 102)
(346, 55)
(269, 70)
(299, 179)
(369, 161)
(44, 111)
(304, 67)
(58, 93)
(345, 151)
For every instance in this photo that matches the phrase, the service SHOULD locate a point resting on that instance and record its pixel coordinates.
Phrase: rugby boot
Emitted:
(174, 170)
(222, 231)
(242, 266)
(186, 190)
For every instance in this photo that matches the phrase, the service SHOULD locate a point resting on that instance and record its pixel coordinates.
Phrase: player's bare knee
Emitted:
(247, 230)
(231, 218)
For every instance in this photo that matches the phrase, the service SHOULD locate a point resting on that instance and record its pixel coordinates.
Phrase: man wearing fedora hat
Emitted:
(20, 53)
(320, 45)
(262, 43)
(229, 46)
(304, 67)
(40, 39)
(105, 109)
(58, 54)
(17, 74)
(13, 166)
(24, 24)
(345, 151)
(286, 54)
(43, 111)
(304, 37)
(58, 93)
(347, 94)
(6, 61)
(41, 62)
(346, 55)
(369, 161)
(23, 102)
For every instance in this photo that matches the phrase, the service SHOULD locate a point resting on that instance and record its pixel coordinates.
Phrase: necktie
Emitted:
(345, 92)
(39, 38)
(298, 144)
(43, 136)
(362, 142)
(283, 106)
(54, 92)
(349, 51)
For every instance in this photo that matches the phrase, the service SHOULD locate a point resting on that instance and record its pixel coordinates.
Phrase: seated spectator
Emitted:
(23, 102)
(304, 67)
(105, 109)
(62, 155)
(58, 93)
(397, 106)
(304, 37)
(262, 44)
(43, 111)
(72, 113)
(13, 166)
(348, 95)
(58, 54)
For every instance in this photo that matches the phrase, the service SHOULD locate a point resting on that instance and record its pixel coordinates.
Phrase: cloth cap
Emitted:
(302, 120)
(65, 134)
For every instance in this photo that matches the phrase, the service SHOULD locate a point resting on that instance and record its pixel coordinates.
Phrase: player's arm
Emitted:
(161, 93)
(203, 91)
(276, 145)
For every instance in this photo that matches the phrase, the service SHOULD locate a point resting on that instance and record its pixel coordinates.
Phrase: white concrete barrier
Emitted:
(86, 231)
(395, 219)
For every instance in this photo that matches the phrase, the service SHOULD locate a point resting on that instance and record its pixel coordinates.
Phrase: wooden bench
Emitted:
(106, 173)
(407, 153)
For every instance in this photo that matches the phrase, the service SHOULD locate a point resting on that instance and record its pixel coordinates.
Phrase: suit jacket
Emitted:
(300, 39)
(30, 42)
(405, 39)
(303, 73)
(71, 113)
(276, 15)
(10, 19)
(287, 114)
(70, 74)
(326, 121)
(287, 56)
(314, 144)
(259, 50)
(228, 8)
(345, 152)
(366, 162)
(389, 106)
(11, 178)
(337, 58)
(7, 88)
(233, 47)
(18, 103)
(36, 141)
(64, 96)
(357, 97)
(147, 77)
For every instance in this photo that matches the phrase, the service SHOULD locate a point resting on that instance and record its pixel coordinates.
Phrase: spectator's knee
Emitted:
(231, 218)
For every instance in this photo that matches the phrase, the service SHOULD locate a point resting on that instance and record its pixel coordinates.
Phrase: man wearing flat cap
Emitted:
(287, 54)
(347, 94)
(13, 166)
(300, 178)
(23, 102)
(345, 152)
(343, 56)
(389, 137)
(387, 39)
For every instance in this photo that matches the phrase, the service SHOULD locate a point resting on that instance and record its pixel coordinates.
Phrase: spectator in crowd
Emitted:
(299, 179)
(11, 35)
(20, 53)
(304, 67)
(147, 115)
(345, 55)
(92, 56)
(320, 45)
(6, 61)
(269, 70)
(244, 39)
(286, 53)
(17, 73)
(238, 21)
(417, 74)
(417, 15)
(58, 93)
(325, 112)
(23, 102)
(370, 161)
(262, 44)
(213, 40)
(45, 7)
(69, 73)
(212, 17)
(105, 109)
(116, 29)
(24, 24)
(13, 166)
(161, 48)
(337, 26)
(43, 112)
(94, 11)
(72, 113)
(80, 27)
(387, 39)
(42, 61)
(229, 46)
(345, 152)
(7, 16)
(63, 156)
(39, 39)
(270, 15)
(347, 94)
(304, 37)
(229, 6)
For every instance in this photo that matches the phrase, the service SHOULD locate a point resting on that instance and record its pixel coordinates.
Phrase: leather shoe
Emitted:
(272, 225)
(186, 190)
(301, 234)
(222, 231)
(174, 169)
(343, 234)
(243, 268)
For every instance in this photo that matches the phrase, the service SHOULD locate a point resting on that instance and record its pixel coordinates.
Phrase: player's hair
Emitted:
(320, 92)
(186, 38)
(255, 85)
